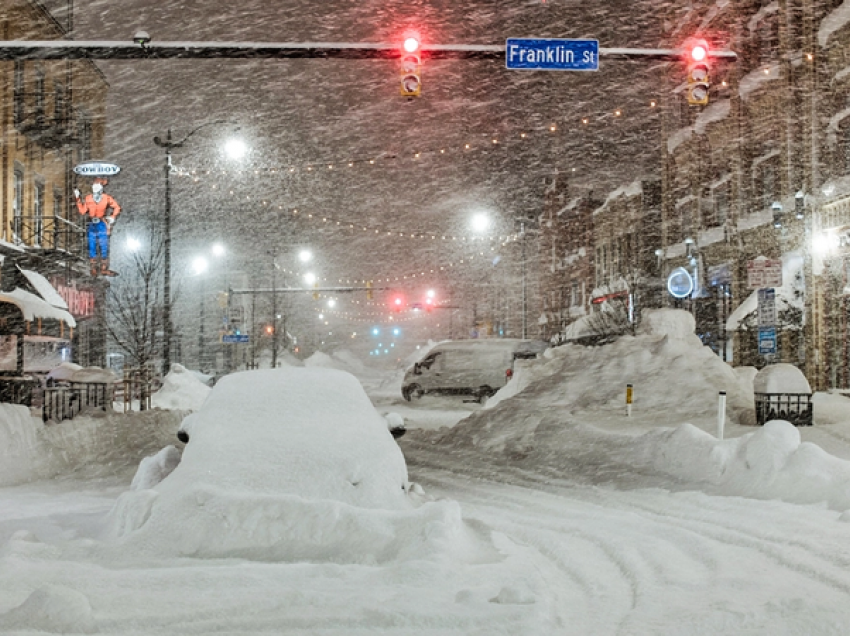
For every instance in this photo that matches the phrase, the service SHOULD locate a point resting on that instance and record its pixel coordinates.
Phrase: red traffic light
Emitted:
(699, 52)
(411, 44)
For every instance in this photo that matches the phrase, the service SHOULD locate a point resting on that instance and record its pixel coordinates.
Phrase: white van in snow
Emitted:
(468, 367)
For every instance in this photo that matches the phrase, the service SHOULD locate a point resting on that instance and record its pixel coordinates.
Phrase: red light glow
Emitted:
(411, 45)
(699, 53)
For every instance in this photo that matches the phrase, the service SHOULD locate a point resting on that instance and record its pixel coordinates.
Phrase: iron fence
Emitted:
(792, 407)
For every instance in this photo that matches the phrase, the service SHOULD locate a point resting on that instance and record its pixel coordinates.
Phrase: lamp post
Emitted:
(169, 145)
(200, 265)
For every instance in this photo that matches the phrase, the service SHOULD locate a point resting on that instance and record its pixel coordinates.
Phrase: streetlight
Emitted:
(169, 145)
(480, 222)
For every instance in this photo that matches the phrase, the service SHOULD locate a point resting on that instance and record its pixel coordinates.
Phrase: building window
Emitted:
(768, 39)
(19, 92)
(721, 204)
(38, 214)
(39, 96)
(768, 184)
(18, 202)
(84, 132)
(59, 103)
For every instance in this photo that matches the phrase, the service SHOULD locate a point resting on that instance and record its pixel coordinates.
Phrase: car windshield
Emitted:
(374, 316)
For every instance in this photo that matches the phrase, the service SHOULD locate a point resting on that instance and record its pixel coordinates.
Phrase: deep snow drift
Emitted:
(567, 413)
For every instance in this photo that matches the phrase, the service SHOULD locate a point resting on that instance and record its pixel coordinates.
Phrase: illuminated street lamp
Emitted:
(480, 222)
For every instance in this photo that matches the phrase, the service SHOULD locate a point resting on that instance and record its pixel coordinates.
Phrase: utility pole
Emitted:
(524, 283)
(274, 307)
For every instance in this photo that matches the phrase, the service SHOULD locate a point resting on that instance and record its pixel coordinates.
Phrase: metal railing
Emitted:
(792, 407)
(49, 232)
(67, 401)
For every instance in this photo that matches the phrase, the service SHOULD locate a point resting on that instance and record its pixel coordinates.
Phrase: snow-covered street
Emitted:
(539, 513)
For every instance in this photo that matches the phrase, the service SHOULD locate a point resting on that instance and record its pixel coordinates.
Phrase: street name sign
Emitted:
(235, 339)
(538, 54)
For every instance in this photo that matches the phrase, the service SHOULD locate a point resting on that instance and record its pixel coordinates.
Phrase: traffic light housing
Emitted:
(698, 73)
(369, 290)
(411, 71)
(315, 291)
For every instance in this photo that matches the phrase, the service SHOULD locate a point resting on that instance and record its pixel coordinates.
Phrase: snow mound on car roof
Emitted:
(287, 464)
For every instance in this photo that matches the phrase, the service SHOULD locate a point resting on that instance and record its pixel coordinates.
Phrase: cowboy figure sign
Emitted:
(101, 210)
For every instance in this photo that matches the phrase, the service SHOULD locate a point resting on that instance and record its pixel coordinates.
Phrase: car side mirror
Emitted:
(417, 369)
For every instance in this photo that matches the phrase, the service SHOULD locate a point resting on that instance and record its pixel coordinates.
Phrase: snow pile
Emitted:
(155, 468)
(63, 372)
(781, 378)
(106, 444)
(181, 390)
(771, 463)
(53, 609)
(592, 380)
(287, 464)
(94, 375)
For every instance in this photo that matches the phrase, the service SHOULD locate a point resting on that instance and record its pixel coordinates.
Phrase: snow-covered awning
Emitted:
(33, 307)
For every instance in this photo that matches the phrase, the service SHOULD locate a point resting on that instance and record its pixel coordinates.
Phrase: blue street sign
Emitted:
(767, 341)
(535, 54)
(235, 339)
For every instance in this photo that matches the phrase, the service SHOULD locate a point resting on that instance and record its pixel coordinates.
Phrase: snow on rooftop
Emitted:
(286, 464)
(761, 14)
(714, 112)
(635, 188)
(45, 289)
(833, 22)
(712, 13)
(752, 80)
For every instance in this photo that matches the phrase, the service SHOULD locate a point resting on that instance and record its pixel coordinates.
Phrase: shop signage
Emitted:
(96, 169)
(764, 272)
(680, 283)
(767, 307)
(80, 301)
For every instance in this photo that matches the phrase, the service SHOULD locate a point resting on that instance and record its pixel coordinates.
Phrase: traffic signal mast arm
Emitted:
(118, 50)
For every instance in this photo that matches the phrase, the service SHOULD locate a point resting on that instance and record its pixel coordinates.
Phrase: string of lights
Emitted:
(486, 142)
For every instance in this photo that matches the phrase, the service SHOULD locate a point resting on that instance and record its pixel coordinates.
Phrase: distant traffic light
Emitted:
(698, 73)
(398, 303)
(369, 290)
(429, 299)
(411, 62)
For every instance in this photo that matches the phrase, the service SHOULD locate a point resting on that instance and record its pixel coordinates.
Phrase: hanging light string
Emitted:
(325, 220)
(416, 276)
(486, 143)
(318, 167)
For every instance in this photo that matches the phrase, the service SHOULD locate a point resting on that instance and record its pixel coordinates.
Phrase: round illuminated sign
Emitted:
(96, 169)
(680, 283)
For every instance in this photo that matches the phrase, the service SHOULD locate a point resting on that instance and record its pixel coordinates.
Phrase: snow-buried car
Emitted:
(287, 464)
